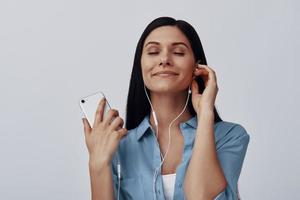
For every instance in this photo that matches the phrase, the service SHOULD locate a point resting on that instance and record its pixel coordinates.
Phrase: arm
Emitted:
(204, 177)
(102, 141)
(101, 182)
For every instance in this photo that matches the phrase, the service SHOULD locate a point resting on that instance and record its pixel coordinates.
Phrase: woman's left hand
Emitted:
(206, 100)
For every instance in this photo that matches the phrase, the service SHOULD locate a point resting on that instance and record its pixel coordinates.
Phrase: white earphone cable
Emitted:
(169, 141)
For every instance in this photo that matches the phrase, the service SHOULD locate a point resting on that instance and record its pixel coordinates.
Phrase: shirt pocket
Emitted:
(130, 188)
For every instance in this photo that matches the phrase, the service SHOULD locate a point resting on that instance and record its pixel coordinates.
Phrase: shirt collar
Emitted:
(145, 125)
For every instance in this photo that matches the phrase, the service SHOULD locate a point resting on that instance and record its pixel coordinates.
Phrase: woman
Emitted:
(176, 146)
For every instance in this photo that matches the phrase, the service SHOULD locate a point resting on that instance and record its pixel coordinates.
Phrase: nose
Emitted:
(165, 59)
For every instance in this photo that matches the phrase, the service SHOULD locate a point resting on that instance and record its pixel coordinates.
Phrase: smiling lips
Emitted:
(165, 73)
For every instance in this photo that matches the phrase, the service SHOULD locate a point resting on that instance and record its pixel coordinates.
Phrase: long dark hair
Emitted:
(137, 104)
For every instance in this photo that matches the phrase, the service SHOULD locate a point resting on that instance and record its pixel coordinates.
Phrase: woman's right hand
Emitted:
(103, 138)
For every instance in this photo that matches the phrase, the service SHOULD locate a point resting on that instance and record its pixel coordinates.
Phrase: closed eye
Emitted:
(152, 53)
(179, 53)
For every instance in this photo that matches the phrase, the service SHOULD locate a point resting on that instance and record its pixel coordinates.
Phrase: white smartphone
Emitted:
(89, 105)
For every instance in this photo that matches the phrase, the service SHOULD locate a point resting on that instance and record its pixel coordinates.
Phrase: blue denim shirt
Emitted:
(139, 156)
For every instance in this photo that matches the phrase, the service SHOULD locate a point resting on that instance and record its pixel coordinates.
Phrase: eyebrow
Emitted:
(173, 44)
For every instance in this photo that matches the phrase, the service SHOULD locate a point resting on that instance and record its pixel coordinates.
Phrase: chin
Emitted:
(165, 90)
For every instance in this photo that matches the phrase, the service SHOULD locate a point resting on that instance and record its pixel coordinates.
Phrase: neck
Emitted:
(167, 107)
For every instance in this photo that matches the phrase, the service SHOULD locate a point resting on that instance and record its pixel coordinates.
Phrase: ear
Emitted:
(195, 67)
(194, 76)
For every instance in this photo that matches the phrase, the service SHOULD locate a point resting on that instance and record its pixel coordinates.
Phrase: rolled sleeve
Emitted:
(231, 155)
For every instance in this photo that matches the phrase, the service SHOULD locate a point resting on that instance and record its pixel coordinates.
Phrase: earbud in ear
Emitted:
(196, 64)
(194, 72)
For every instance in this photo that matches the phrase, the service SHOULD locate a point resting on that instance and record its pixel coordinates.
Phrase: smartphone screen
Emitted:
(89, 105)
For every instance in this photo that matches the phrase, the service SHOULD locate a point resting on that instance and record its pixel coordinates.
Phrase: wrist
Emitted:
(96, 165)
(207, 112)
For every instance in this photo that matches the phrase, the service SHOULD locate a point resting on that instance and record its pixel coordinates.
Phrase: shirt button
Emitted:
(158, 191)
(180, 185)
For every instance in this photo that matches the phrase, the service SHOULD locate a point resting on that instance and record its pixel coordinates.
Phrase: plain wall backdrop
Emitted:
(54, 52)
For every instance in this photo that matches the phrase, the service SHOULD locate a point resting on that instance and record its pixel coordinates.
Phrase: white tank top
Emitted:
(169, 185)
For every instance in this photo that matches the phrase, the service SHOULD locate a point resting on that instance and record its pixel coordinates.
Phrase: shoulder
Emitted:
(129, 139)
(230, 132)
(127, 146)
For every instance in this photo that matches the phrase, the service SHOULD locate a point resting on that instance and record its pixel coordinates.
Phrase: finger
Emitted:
(117, 123)
(210, 78)
(211, 72)
(122, 132)
(99, 112)
(87, 127)
(201, 70)
(112, 113)
(203, 73)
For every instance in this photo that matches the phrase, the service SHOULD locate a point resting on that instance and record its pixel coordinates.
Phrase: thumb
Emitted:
(196, 96)
(195, 88)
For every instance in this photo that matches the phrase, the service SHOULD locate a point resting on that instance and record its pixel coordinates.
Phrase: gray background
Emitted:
(54, 52)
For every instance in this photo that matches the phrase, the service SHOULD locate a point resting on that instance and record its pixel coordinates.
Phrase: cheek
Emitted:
(146, 63)
(189, 68)
(146, 67)
(188, 75)
(187, 64)
(145, 72)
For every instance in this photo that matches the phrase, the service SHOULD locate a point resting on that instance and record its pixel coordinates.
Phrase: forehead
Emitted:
(167, 34)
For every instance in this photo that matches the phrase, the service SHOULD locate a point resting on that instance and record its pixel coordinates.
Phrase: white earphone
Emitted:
(156, 124)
